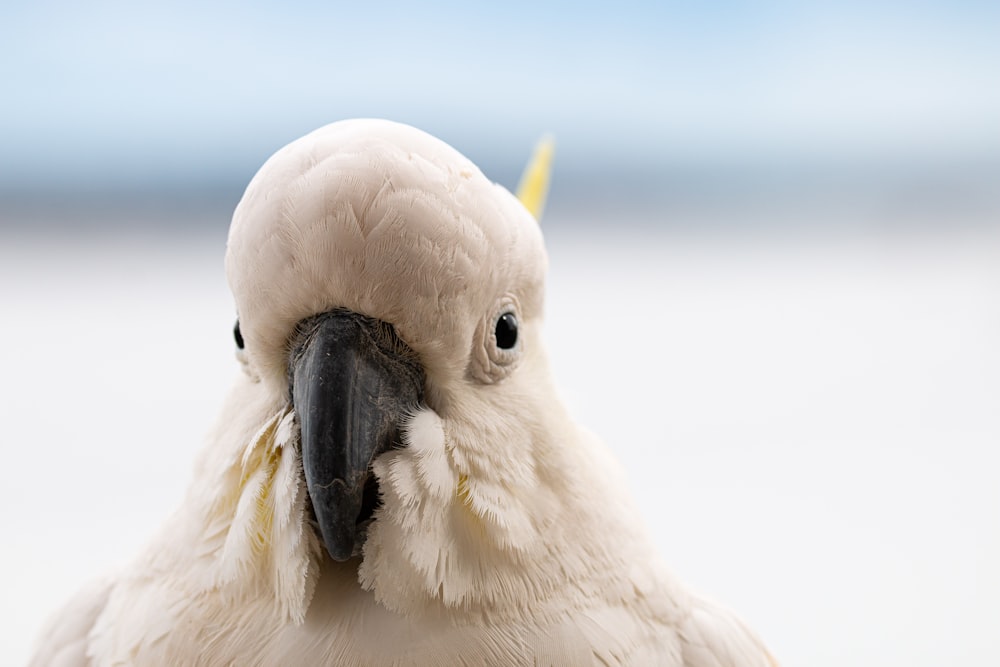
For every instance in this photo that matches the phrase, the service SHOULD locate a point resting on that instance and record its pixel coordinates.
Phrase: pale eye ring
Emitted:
(498, 342)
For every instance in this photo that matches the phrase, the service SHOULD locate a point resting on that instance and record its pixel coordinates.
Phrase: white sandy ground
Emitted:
(812, 425)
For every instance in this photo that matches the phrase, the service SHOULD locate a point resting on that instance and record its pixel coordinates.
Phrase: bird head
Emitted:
(392, 295)
(382, 220)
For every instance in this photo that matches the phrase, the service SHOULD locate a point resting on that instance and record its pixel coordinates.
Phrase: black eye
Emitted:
(237, 335)
(506, 331)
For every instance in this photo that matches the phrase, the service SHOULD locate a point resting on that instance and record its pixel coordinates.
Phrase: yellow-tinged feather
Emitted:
(463, 489)
(268, 540)
(260, 463)
(534, 186)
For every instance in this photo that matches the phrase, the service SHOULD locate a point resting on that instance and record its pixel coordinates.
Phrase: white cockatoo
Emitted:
(393, 480)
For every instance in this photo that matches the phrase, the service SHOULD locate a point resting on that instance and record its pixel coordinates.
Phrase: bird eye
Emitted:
(506, 331)
(496, 344)
(237, 335)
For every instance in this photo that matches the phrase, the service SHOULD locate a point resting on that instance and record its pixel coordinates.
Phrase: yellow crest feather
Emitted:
(534, 185)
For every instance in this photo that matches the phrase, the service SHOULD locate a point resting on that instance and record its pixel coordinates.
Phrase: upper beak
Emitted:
(353, 382)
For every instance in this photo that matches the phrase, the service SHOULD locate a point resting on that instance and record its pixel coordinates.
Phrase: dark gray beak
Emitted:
(353, 382)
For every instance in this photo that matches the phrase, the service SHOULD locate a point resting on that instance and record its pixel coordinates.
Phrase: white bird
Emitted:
(393, 480)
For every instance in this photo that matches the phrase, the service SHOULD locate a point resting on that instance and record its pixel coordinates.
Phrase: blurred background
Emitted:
(774, 233)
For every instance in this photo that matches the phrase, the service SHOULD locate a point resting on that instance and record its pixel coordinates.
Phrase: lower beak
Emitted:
(353, 382)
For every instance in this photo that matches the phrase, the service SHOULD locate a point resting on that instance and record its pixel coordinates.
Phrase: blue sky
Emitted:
(127, 90)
